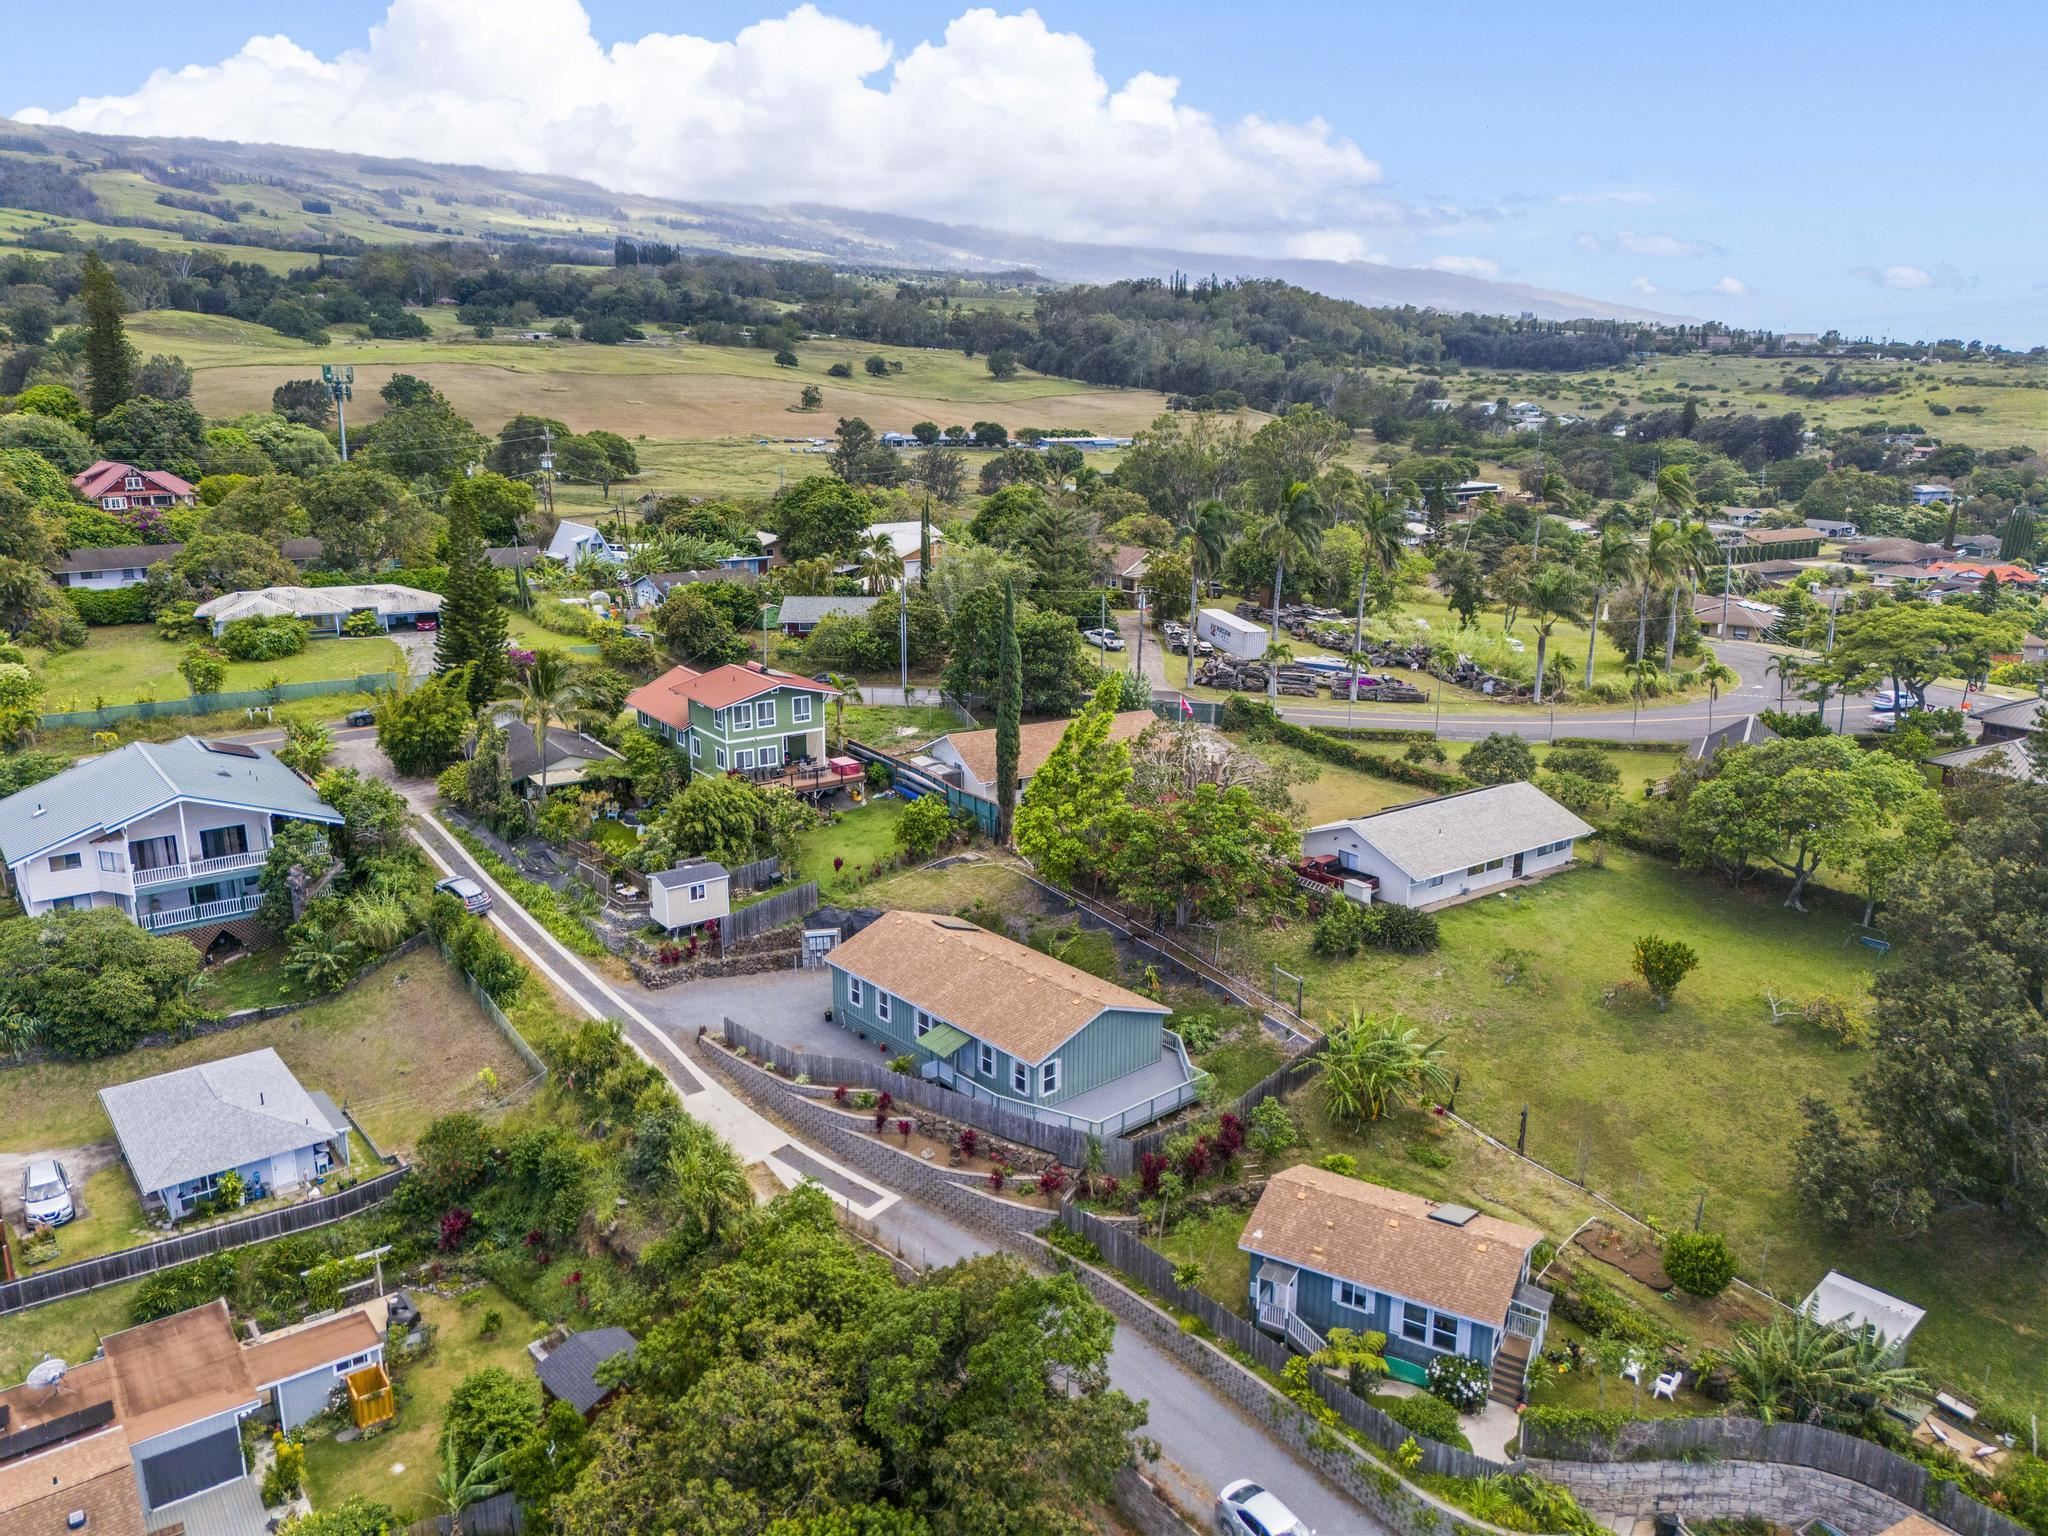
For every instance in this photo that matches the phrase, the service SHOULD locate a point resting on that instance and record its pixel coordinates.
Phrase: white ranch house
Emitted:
(325, 609)
(1452, 848)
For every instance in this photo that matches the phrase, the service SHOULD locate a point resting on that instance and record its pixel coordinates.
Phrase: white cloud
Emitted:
(1911, 279)
(1331, 245)
(1643, 286)
(1663, 245)
(1905, 277)
(1464, 266)
(1731, 287)
(1588, 242)
(1606, 195)
(1002, 121)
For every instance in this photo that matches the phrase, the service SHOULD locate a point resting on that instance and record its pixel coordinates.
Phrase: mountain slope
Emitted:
(258, 193)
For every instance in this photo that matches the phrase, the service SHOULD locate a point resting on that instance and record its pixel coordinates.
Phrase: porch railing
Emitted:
(198, 869)
(204, 912)
(1289, 1326)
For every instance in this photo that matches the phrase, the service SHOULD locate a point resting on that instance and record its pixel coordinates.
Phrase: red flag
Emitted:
(1186, 709)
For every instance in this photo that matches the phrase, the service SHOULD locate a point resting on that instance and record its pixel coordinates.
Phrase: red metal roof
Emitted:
(104, 478)
(669, 696)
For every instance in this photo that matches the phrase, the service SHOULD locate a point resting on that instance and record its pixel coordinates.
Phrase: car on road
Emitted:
(46, 1195)
(1884, 704)
(1103, 639)
(360, 717)
(474, 898)
(1245, 1509)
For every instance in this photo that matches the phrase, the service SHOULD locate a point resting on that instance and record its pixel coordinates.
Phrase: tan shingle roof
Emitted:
(1035, 743)
(93, 1475)
(1015, 998)
(1384, 1238)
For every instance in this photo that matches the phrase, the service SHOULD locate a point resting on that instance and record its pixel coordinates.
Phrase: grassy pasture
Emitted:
(122, 662)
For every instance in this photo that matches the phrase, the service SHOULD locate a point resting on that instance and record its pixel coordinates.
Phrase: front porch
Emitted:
(1112, 1109)
(178, 910)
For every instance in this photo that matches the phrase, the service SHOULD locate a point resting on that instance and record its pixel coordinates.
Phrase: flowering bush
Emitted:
(1151, 1167)
(968, 1142)
(903, 1129)
(1053, 1180)
(997, 1176)
(1460, 1381)
(839, 1095)
(455, 1225)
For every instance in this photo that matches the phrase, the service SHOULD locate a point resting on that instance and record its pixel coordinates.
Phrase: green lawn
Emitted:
(121, 663)
(396, 1051)
(70, 1329)
(890, 727)
(858, 840)
(325, 709)
(256, 980)
(399, 1466)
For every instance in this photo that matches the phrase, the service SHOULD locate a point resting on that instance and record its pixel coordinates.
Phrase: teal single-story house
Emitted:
(990, 1017)
(1329, 1251)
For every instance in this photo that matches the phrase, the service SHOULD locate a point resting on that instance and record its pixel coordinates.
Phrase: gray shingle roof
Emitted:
(106, 793)
(570, 1369)
(564, 745)
(2013, 715)
(689, 874)
(118, 557)
(199, 1120)
(808, 610)
(1452, 832)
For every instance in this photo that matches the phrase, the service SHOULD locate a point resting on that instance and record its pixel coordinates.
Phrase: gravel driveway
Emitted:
(81, 1163)
(787, 1006)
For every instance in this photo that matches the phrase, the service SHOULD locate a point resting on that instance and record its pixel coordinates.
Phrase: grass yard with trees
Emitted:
(121, 663)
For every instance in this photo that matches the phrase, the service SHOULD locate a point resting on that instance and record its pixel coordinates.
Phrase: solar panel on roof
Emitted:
(1452, 1215)
(229, 748)
(49, 1432)
(958, 925)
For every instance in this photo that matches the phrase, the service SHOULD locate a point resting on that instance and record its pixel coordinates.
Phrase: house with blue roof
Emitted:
(174, 834)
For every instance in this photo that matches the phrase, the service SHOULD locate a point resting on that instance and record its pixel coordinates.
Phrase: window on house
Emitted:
(764, 712)
(746, 759)
(696, 747)
(131, 482)
(697, 892)
(924, 1023)
(1443, 1332)
(985, 1059)
(1020, 1079)
(115, 503)
(853, 990)
(1480, 869)
(65, 861)
(1414, 1322)
(1357, 1298)
(1048, 1079)
(63, 903)
(718, 721)
(743, 717)
(882, 1006)
(718, 755)
(771, 757)
(800, 709)
(220, 842)
(110, 860)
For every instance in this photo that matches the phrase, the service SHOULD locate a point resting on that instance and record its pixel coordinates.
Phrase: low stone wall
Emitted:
(1785, 1495)
(1023, 1161)
(1146, 1508)
(774, 951)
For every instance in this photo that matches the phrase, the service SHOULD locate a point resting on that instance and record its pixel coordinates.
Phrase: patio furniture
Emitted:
(1937, 1431)
(1667, 1385)
(1632, 1369)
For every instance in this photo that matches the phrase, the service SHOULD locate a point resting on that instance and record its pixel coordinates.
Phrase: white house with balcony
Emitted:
(1435, 852)
(174, 834)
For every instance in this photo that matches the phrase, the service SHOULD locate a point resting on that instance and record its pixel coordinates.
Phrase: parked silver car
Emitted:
(46, 1195)
(1245, 1509)
(474, 898)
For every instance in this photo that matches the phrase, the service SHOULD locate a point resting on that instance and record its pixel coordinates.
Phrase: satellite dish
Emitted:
(47, 1373)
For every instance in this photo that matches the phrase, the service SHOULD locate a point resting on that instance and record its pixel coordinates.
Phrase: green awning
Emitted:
(942, 1040)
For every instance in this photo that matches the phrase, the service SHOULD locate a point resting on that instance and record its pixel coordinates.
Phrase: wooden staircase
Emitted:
(1510, 1369)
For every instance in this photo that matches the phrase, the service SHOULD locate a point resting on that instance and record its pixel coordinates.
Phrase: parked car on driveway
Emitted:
(46, 1195)
(1245, 1509)
(1103, 639)
(360, 717)
(474, 898)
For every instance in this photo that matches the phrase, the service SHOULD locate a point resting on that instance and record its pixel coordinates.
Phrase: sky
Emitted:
(1806, 165)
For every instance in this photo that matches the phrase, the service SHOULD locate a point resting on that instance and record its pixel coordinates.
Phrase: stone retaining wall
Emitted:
(1785, 1495)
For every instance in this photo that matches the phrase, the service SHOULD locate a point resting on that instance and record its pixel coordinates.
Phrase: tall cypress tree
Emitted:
(1009, 713)
(108, 357)
(472, 622)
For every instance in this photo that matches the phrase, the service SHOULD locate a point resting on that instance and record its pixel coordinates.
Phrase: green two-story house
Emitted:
(746, 719)
(1002, 1022)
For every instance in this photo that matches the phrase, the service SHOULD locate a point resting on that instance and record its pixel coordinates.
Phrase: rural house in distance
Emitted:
(1450, 849)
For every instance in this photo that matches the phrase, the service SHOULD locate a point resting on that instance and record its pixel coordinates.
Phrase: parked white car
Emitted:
(46, 1195)
(1243, 1508)
(1105, 639)
(474, 898)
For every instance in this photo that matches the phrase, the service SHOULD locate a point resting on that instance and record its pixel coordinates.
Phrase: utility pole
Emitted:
(903, 630)
(341, 383)
(547, 468)
(1141, 637)
(1102, 634)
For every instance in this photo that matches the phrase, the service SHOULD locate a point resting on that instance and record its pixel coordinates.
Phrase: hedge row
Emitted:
(1377, 733)
(1258, 718)
(1622, 746)
(428, 578)
(116, 605)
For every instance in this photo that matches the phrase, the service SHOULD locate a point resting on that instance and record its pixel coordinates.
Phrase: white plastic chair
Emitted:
(1632, 1369)
(1667, 1385)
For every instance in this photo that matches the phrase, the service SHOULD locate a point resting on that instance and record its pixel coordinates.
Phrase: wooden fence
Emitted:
(131, 1263)
(1123, 1250)
(752, 877)
(1070, 1146)
(751, 922)
(496, 1015)
(499, 1515)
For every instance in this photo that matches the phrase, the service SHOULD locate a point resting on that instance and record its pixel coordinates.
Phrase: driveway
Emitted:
(80, 1163)
(419, 650)
(786, 1006)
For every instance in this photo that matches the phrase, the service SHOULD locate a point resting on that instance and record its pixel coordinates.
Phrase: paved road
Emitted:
(1204, 1441)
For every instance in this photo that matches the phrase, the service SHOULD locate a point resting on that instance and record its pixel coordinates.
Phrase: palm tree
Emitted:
(1555, 592)
(1208, 530)
(486, 1474)
(1292, 531)
(1617, 561)
(1674, 495)
(1716, 674)
(1661, 570)
(880, 565)
(1788, 669)
(711, 1189)
(1373, 1066)
(1799, 1368)
(1639, 673)
(545, 692)
(1695, 553)
(848, 688)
